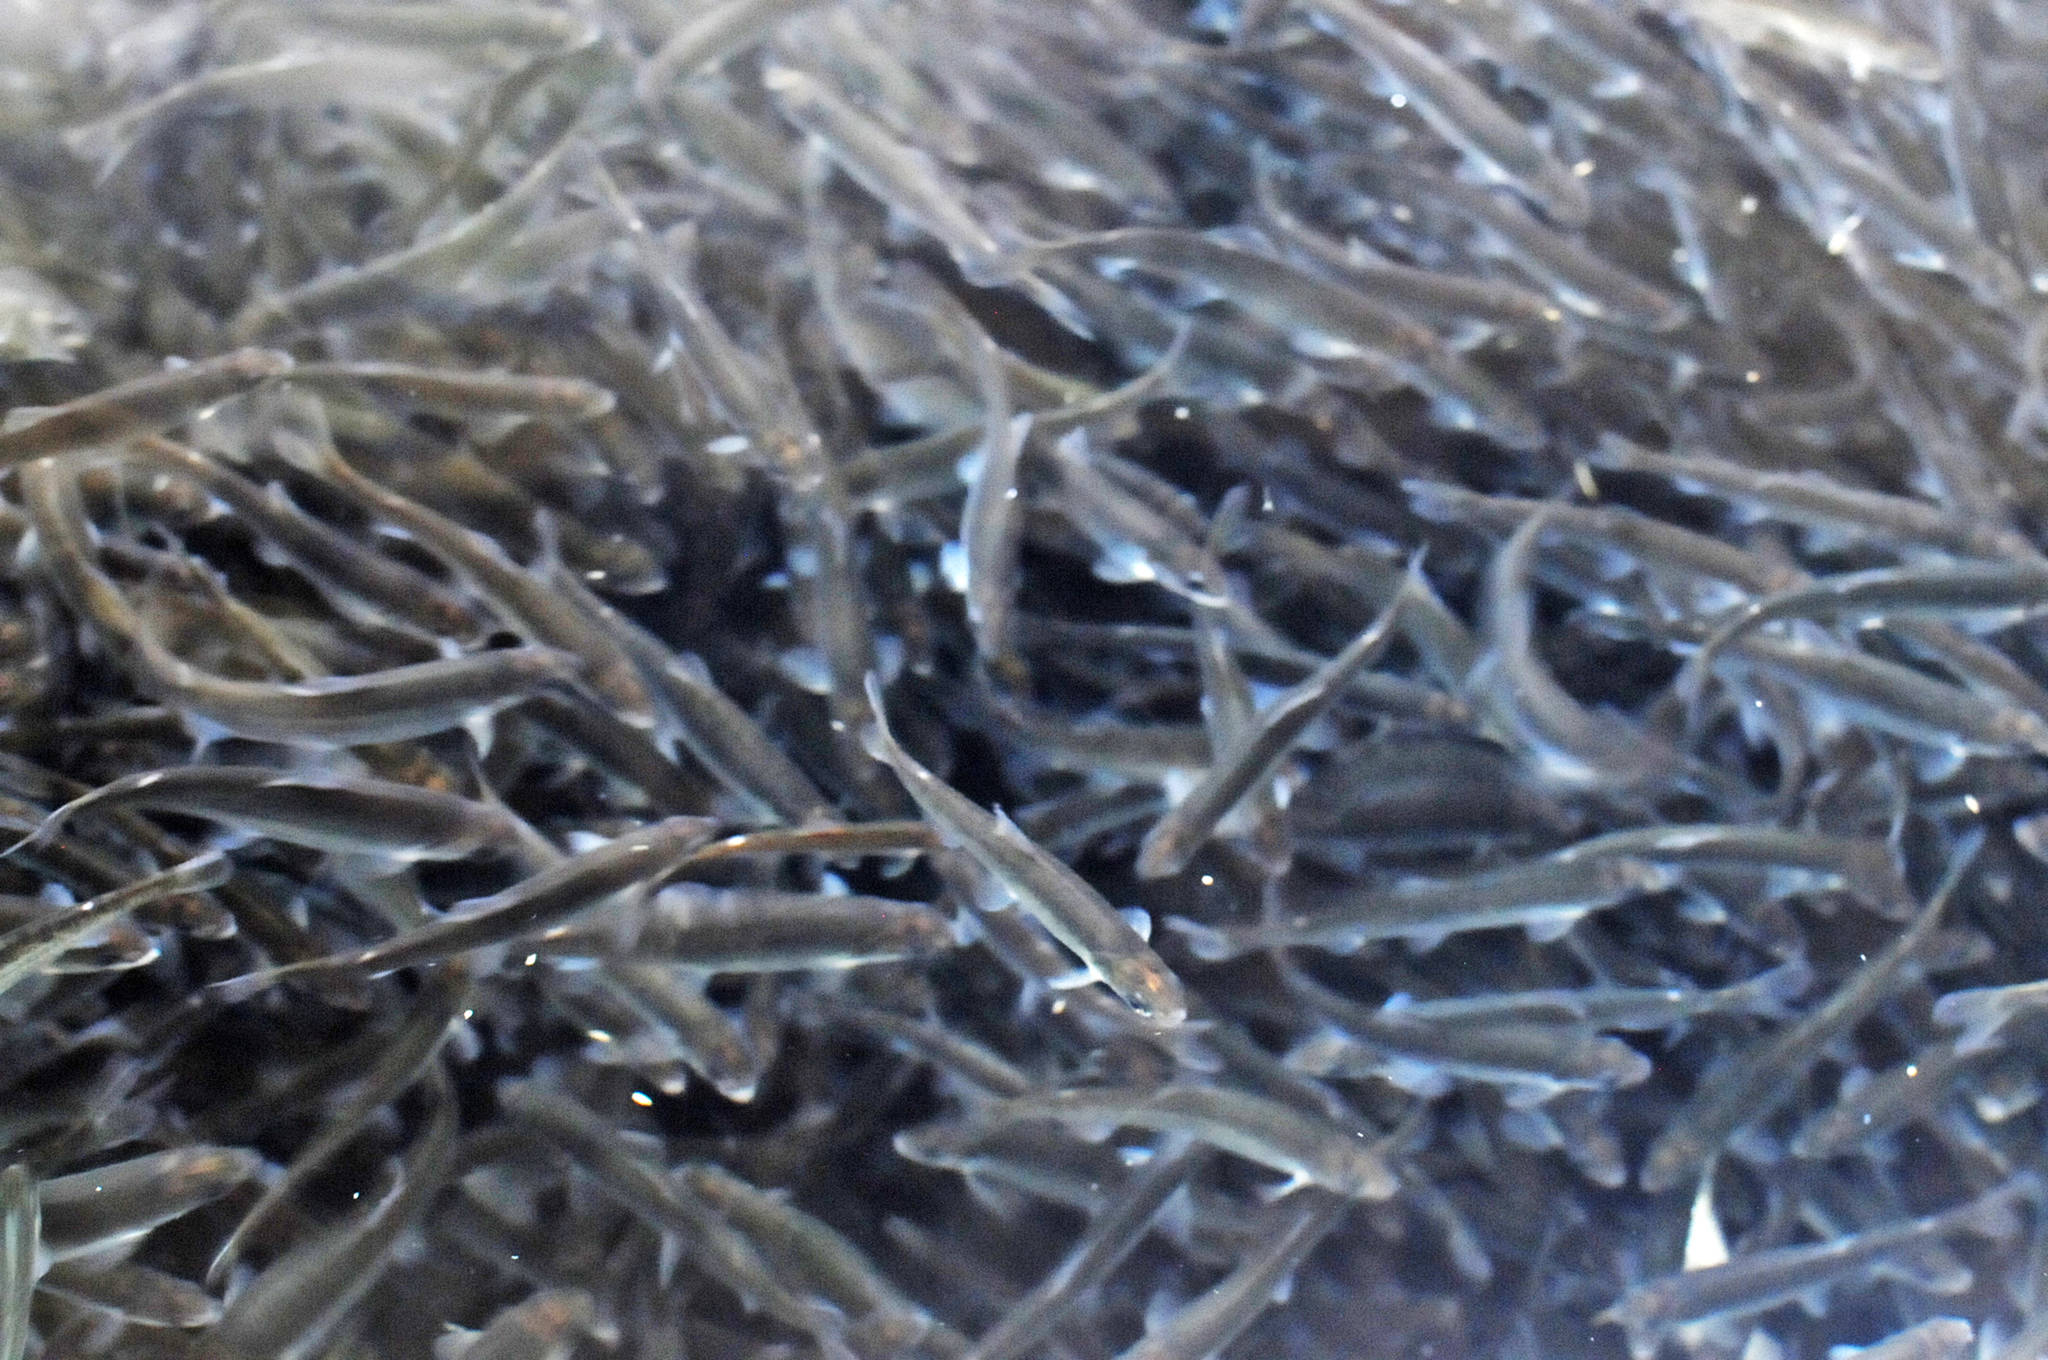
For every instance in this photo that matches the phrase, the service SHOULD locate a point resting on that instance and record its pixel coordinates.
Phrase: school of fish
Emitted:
(973, 680)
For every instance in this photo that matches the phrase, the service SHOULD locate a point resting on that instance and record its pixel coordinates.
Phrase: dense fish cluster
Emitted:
(983, 680)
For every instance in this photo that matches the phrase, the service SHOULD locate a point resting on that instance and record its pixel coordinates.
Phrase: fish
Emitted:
(20, 1226)
(1982, 1012)
(1938, 1338)
(1322, 320)
(1892, 697)
(93, 1213)
(1564, 743)
(545, 1326)
(1763, 1078)
(334, 813)
(1803, 498)
(1988, 594)
(1861, 866)
(709, 37)
(300, 1298)
(1208, 1324)
(626, 864)
(368, 586)
(641, 1186)
(740, 930)
(814, 1256)
(1111, 1236)
(672, 1000)
(27, 949)
(406, 1055)
(1310, 1150)
(140, 406)
(1754, 1281)
(552, 612)
(391, 280)
(1044, 888)
(1580, 281)
(460, 392)
(1610, 1006)
(1174, 838)
(1882, 1102)
(1545, 896)
(1459, 111)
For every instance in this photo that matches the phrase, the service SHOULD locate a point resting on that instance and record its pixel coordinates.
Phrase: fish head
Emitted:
(1149, 987)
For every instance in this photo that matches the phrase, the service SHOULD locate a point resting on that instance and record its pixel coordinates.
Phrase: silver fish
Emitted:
(462, 392)
(365, 585)
(289, 1310)
(1323, 320)
(1802, 498)
(1051, 893)
(546, 1326)
(26, 950)
(1174, 838)
(553, 613)
(745, 930)
(1766, 1076)
(141, 406)
(1460, 111)
(1311, 1150)
(641, 1186)
(816, 1258)
(629, 863)
(98, 1212)
(20, 1227)
(347, 816)
(1991, 594)
(398, 1066)
(1543, 896)
(1763, 1279)
(1941, 1338)
(1111, 1235)
(1202, 1328)
(1563, 741)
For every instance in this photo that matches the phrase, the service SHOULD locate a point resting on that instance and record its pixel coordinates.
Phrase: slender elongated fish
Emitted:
(1610, 1006)
(546, 1326)
(745, 930)
(1203, 1327)
(398, 1066)
(140, 406)
(344, 815)
(366, 585)
(1802, 498)
(812, 1255)
(289, 1310)
(1765, 1077)
(27, 949)
(1174, 838)
(1564, 742)
(1987, 595)
(1322, 319)
(628, 863)
(96, 1212)
(1940, 1338)
(1460, 111)
(1110, 1237)
(461, 392)
(1311, 1150)
(1051, 893)
(1759, 1280)
(20, 1230)
(552, 612)
(1544, 897)
(646, 1189)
